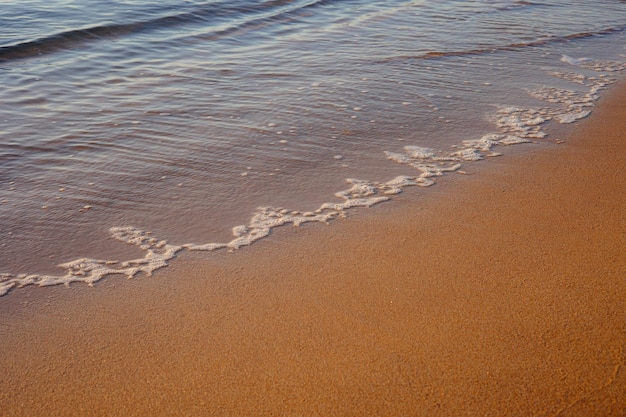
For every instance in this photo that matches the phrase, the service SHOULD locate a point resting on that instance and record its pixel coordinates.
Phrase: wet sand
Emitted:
(499, 293)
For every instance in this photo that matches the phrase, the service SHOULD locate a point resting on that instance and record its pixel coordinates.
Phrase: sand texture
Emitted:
(495, 294)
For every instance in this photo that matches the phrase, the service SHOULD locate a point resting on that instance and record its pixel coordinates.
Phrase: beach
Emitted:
(497, 293)
(456, 171)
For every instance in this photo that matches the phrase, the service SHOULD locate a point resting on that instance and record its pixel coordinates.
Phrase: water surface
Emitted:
(181, 118)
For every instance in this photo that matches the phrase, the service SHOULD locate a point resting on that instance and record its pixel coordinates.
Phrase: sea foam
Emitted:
(90, 271)
(514, 125)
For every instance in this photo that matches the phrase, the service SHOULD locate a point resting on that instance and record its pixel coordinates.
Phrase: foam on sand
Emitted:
(90, 271)
(514, 125)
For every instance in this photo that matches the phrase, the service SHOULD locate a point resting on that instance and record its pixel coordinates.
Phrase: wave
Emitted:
(514, 126)
(504, 48)
(236, 15)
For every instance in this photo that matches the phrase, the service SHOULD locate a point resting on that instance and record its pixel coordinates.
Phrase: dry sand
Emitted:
(500, 293)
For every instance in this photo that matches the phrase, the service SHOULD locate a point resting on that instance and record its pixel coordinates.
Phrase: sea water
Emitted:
(132, 131)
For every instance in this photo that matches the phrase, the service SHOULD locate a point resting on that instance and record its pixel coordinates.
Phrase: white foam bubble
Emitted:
(398, 157)
(468, 155)
(570, 76)
(419, 152)
(205, 247)
(604, 66)
(574, 61)
(524, 123)
(513, 140)
(240, 230)
(400, 182)
(484, 144)
(572, 117)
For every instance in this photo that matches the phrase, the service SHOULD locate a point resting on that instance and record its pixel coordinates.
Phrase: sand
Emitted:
(498, 293)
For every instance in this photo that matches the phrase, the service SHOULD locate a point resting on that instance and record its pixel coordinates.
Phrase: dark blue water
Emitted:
(183, 117)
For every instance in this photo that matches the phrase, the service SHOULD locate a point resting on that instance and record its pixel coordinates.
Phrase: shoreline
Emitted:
(499, 293)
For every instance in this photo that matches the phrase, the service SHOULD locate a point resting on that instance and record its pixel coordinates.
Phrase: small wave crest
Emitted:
(430, 55)
(239, 16)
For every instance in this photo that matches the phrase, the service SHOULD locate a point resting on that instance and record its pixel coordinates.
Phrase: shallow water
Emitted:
(182, 117)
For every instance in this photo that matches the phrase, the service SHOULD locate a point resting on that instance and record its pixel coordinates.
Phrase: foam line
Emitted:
(514, 126)
(90, 271)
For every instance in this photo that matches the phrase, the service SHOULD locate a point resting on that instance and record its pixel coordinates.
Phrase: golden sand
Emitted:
(501, 293)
